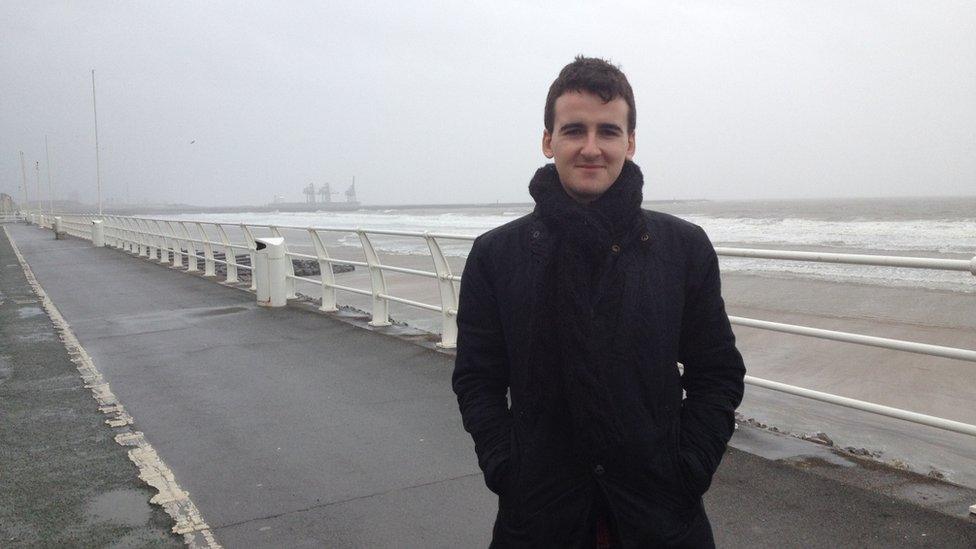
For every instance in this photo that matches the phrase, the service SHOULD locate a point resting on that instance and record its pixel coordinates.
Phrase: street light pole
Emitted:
(50, 186)
(98, 169)
(37, 171)
(23, 173)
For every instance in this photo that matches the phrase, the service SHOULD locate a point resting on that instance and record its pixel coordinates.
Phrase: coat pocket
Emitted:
(514, 465)
(682, 483)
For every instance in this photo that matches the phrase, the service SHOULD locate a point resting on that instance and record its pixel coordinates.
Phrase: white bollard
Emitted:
(58, 228)
(98, 233)
(269, 272)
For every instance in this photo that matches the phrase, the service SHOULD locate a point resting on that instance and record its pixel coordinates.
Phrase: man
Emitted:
(582, 310)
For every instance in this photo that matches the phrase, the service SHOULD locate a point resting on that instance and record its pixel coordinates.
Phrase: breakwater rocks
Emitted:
(303, 267)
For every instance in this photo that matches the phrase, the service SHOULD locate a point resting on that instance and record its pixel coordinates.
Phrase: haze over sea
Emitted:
(937, 227)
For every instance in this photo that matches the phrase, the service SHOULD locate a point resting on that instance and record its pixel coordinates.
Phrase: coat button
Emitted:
(599, 470)
(615, 248)
(645, 237)
(535, 234)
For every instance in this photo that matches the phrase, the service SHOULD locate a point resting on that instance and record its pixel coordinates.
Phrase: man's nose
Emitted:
(590, 147)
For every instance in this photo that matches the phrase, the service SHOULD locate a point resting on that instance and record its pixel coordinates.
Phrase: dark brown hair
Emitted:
(596, 76)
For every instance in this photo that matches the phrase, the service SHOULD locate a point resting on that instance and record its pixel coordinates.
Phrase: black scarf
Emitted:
(574, 329)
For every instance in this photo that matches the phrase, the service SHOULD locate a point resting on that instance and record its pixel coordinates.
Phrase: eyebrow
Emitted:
(580, 126)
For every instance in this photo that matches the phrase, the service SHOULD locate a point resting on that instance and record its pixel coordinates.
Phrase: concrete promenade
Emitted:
(291, 428)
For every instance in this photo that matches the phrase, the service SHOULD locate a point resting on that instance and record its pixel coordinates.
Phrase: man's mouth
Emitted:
(590, 166)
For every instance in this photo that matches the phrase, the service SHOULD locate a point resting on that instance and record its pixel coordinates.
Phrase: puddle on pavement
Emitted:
(122, 506)
(29, 312)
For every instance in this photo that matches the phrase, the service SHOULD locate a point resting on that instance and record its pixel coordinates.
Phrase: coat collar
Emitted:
(541, 241)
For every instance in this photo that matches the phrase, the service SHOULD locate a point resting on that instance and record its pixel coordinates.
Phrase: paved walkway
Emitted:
(291, 428)
(64, 482)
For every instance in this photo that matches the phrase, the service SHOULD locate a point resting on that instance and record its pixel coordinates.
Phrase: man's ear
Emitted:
(547, 144)
(631, 146)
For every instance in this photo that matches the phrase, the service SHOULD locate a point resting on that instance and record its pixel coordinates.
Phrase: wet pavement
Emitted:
(64, 482)
(292, 428)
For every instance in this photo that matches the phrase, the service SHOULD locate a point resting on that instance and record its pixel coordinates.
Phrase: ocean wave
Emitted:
(931, 237)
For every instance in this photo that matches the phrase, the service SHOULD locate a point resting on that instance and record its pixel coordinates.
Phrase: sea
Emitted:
(943, 227)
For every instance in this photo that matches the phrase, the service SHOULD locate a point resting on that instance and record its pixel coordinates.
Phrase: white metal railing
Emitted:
(158, 238)
(855, 259)
(10, 217)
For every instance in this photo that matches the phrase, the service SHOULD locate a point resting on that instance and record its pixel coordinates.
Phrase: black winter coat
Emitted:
(674, 311)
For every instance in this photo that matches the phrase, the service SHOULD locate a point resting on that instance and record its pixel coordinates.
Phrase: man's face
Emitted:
(589, 143)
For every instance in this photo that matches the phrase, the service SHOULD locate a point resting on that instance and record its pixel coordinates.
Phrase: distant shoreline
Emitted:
(963, 202)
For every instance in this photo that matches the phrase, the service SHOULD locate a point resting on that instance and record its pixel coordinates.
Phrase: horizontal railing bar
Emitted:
(451, 236)
(853, 259)
(860, 339)
(406, 270)
(914, 417)
(304, 279)
(301, 228)
(391, 232)
(349, 289)
(419, 234)
(303, 256)
(410, 302)
(333, 261)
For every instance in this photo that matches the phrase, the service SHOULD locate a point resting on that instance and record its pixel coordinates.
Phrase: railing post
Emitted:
(289, 265)
(122, 232)
(108, 231)
(191, 250)
(325, 270)
(177, 247)
(251, 247)
(377, 283)
(164, 243)
(117, 233)
(150, 239)
(131, 236)
(156, 244)
(135, 240)
(123, 229)
(269, 272)
(449, 298)
(230, 258)
(145, 238)
(143, 242)
(98, 233)
(208, 257)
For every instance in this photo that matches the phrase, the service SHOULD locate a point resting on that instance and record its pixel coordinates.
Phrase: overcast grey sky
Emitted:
(441, 102)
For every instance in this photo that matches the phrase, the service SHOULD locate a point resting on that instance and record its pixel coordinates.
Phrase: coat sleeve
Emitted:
(481, 373)
(713, 371)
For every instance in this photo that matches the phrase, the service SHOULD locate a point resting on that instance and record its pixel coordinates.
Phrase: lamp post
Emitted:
(50, 186)
(98, 169)
(37, 171)
(23, 173)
